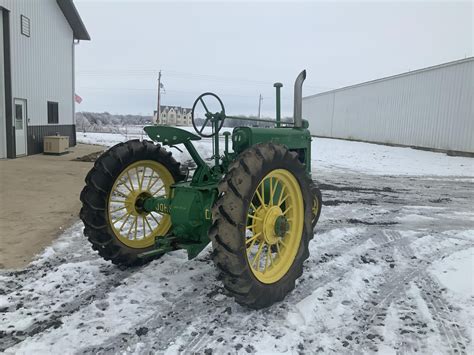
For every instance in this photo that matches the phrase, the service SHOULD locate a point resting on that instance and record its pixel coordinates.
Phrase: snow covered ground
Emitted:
(340, 155)
(390, 271)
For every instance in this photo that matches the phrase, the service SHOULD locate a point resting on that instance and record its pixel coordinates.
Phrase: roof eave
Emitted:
(74, 19)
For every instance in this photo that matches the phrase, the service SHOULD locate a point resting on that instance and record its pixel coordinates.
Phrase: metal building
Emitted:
(430, 108)
(37, 40)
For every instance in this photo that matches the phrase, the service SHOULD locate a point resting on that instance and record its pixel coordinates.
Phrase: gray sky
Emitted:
(238, 49)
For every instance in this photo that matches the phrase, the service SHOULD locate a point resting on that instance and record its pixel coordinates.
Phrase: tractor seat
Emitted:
(167, 135)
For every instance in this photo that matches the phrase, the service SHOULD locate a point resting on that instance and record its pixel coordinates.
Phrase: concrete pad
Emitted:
(39, 197)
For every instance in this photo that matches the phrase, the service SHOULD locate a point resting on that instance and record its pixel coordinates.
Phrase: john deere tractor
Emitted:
(256, 203)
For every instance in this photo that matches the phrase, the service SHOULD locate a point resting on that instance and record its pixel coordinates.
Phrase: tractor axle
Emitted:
(156, 204)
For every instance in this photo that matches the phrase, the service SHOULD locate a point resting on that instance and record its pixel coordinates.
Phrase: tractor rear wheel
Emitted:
(262, 225)
(114, 220)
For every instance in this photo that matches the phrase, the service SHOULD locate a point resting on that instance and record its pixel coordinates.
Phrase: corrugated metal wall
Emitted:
(430, 108)
(42, 64)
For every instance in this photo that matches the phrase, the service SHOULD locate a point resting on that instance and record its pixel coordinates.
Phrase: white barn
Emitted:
(37, 40)
(428, 108)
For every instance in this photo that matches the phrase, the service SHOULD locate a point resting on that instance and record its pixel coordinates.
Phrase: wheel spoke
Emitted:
(271, 258)
(281, 195)
(254, 217)
(120, 201)
(270, 201)
(253, 238)
(161, 188)
(118, 209)
(156, 180)
(157, 222)
(150, 180)
(144, 227)
(124, 184)
(289, 208)
(120, 193)
(130, 229)
(119, 219)
(130, 180)
(204, 125)
(253, 206)
(275, 187)
(268, 257)
(140, 184)
(205, 107)
(148, 223)
(125, 221)
(259, 197)
(257, 256)
(138, 178)
(283, 200)
(249, 248)
(136, 228)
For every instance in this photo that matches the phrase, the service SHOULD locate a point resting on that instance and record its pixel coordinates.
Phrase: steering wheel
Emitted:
(210, 117)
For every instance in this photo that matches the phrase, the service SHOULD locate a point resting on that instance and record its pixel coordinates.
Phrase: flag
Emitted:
(77, 98)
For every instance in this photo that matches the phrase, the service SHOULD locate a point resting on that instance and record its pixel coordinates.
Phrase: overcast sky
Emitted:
(239, 49)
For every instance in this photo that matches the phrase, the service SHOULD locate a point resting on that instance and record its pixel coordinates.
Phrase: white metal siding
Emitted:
(42, 64)
(3, 138)
(430, 108)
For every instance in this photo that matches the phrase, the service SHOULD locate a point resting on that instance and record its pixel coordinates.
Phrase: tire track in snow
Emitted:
(53, 287)
(394, 289)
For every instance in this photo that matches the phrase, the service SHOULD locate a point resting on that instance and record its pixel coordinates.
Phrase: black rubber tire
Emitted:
(94, 197)
(316, 193)
(230, 220)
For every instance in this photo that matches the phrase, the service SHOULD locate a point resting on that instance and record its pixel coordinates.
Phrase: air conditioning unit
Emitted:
(56, 144)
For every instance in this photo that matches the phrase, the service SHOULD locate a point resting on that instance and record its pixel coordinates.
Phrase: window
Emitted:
(25, 26)
(18, 117)
(53, 112)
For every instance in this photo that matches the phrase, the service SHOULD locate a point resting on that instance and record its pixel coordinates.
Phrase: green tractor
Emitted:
(257, 203)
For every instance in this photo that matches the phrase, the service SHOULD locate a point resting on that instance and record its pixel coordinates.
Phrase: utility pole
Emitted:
(260, 99)
(158, 99)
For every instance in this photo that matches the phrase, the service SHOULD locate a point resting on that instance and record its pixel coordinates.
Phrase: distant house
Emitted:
(37, 41)
(173, 116)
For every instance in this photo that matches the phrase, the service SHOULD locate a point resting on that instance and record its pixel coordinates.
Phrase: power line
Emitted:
(179, 74)
(154, 90)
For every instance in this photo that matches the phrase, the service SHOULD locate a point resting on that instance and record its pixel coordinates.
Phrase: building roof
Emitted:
(417, 71)
(176, 108)
(72, 16)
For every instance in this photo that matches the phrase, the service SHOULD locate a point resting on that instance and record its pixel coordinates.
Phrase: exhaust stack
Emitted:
(298, 99)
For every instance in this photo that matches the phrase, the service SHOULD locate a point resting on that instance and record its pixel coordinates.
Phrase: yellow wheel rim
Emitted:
(274, 226)
(315, 209)
(131, 225)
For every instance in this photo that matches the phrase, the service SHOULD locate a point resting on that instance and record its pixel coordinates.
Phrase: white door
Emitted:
(19, 112)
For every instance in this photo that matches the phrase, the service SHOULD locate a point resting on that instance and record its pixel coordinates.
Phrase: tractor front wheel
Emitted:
(262, 225)
(112, 200)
